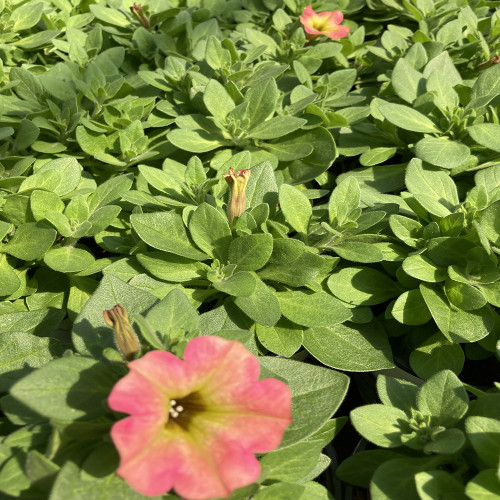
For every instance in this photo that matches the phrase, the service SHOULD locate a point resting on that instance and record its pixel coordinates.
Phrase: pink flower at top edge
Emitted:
(196, 423)
(324, 23)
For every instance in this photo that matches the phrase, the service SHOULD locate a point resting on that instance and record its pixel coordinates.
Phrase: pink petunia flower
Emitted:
(196, 423)
(323, 23)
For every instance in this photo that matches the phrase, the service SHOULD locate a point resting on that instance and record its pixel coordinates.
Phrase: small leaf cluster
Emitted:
(440, 441)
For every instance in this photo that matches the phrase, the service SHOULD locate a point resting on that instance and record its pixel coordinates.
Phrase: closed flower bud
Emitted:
(238, 182)
(139, 13)
(125, 338)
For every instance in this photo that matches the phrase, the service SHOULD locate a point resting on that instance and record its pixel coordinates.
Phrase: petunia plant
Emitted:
(306, 194)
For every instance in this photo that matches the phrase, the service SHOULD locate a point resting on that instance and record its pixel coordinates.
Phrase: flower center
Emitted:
(320, 23)
(181, 411)
(175, 409)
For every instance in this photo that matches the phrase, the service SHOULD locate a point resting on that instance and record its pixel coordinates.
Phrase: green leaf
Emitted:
(376, 156)
(359, 468)
(21, 352)
(291, 263)
(71, 482)
(42, 202)
(210, 231)
(67, 389)
(407, 230)
(422, 268)
(446, 442)
(68, 259)
(289, 148)
(241, 284)
(484, 435)
(486, 134)
(251, 252)
(456, 325)
(438, 484)
(26, 16)
(284, 338)
(296, 208)
(484, 486)
(407, 118)
(217, 100)
(292, 463)
(261, 99)
(262, 306)
(442, 152)
(362, 286)
(433, 189)
(398, 393)
(173, 314)
(444, 397)
(359, 349)
(26, 135)
(165, 231)
(436, 354)
(170, 267)
(312, 309)
(344, 199)
(487, 84)
(109, 191)
(194, 141)
(489, 222)
(317, 392)
(262, 187)
(395, 478)
(30, 241)
(358, 251)
(277, 127)
(464, 295)
(444, 95)
(411, 309)
(443, 65)
(406, 80)
(379, 424)
(281, 491)
(110, 16)
(216, 56)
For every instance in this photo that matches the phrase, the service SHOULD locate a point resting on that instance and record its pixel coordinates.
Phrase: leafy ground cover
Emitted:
(363, 271)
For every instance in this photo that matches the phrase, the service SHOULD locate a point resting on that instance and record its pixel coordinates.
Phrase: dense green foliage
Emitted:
(370, 239)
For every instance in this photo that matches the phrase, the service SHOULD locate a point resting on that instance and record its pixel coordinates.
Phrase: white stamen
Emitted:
(175, 409)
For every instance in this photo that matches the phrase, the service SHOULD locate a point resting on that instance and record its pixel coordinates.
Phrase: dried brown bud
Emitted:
(125, 337)
(238, 183)
(139, 13)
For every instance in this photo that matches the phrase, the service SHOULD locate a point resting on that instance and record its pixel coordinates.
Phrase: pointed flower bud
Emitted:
(238, 182)
(125, 337)
(139, 13)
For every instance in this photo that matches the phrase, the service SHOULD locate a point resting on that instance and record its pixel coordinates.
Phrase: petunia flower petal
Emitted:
(135, 395)
(165, 371)
(257, 416)
(222, 367)
(336, 17)
(155, 466)
(339, 32)
(219, 465)
(312, 31)
(308, 11)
